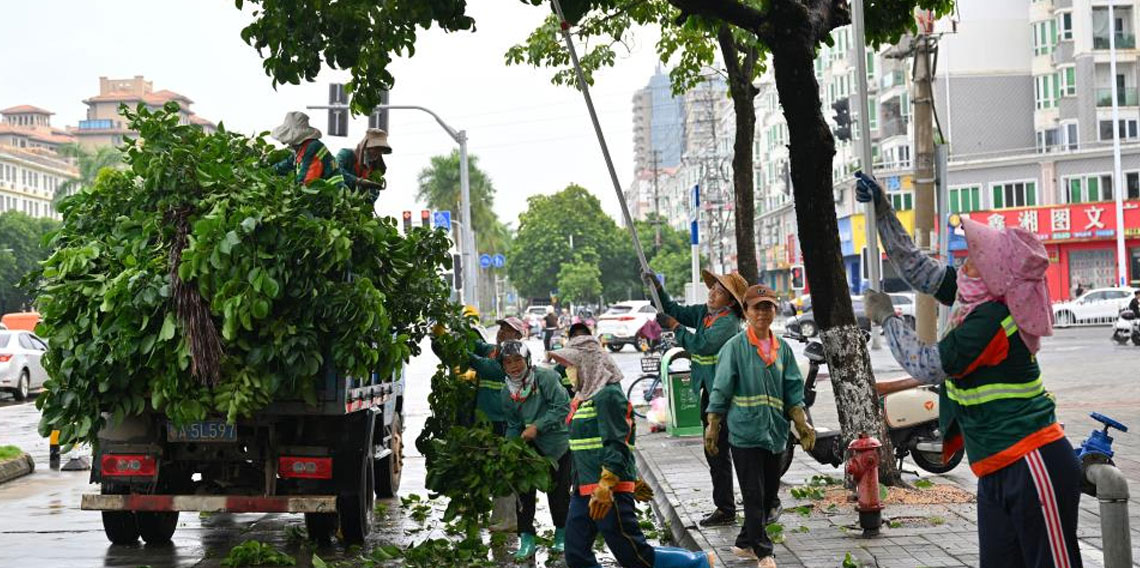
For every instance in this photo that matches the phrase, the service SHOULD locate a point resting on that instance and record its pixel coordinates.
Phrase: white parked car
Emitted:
(904, 306)
(21, 367)
(1099, 305)
(618, 327)
(533, 318)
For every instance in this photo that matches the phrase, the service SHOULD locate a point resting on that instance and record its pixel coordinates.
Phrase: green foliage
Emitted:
(9, 452)
(89, 163)
(23, 245)
(439, 189)
(255, 553)
(776, 533)
(924, 484)
(807, 492)
(298, 280)
(849, 561)
(580, 282)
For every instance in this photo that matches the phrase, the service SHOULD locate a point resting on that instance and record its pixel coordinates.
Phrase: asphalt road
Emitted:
(41, 524)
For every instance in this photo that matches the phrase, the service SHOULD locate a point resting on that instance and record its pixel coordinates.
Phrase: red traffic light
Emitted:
(407, 215)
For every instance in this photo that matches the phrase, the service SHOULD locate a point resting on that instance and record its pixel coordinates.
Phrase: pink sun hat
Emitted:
(1012, 264)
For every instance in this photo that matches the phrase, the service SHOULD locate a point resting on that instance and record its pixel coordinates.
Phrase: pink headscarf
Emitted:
(1012, 264)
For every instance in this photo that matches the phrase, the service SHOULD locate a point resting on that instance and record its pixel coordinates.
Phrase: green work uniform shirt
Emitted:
(311, 161)
(602, 434)
(546, 408)
(491, 380)
(703, 345)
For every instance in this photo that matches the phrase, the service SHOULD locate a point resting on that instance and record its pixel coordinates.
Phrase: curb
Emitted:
(16, 467)
(663, 506)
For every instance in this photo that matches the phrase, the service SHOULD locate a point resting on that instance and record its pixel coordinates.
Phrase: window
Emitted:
(870, 67)
(1083, 189)
(26, 342)
(873, 114)
(1044, 37)
(1046, 90)
(1070, 137)
(1047, 140)
(902, 201)
(1067, 76)
(1127, 129)
(1014, 194)
(1132, 185)
(904, 106)
(1065, 26)
(965, 199)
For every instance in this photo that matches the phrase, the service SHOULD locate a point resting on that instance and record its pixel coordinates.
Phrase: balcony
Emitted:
(100, 124)
(892, 79)
(1124, 97)
(1123, 41)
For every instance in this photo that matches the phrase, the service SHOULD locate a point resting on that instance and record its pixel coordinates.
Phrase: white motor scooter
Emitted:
(1126, 327)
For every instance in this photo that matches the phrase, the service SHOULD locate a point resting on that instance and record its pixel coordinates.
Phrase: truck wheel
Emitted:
(389, 469)
(157, 528)
(320, 526)
(614, 347)
(119, 526)
(355, 481)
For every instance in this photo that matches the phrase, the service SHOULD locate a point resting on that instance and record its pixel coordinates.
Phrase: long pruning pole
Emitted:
(565, 27)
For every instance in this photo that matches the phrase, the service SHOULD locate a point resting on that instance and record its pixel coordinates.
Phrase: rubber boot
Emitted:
(671, 557)
(526, 547)
(559, 545)
(503, 515)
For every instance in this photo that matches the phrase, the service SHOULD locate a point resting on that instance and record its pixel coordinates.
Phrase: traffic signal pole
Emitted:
(926, 310)
(865, 154)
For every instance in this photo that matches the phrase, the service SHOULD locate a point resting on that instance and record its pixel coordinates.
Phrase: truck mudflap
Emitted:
(210, 503)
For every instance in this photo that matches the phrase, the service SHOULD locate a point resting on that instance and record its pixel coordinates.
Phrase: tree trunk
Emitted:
(811, 147)
(743, 95)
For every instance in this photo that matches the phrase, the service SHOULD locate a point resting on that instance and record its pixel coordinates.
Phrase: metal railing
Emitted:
(1123, 41)
(1124, 97)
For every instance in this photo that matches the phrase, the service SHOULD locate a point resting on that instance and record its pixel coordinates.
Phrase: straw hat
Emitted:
(734, 283)
(375, 138)
(295, 129)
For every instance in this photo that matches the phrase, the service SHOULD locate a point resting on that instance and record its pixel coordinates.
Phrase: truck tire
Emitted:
(388, 470)
(320, 526)
(157, 528)
(119, 526)
(355, 480)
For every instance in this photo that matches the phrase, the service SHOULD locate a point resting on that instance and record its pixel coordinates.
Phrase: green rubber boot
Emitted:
(559, 545)
(526, 547)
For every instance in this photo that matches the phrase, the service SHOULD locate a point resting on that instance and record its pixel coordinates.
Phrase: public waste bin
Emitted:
(684, 406)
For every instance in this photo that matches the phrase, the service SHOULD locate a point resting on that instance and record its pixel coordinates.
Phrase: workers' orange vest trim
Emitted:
(1046, 435)
(621, 487)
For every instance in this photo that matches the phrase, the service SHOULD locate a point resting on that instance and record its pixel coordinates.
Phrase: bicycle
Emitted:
(649, 383)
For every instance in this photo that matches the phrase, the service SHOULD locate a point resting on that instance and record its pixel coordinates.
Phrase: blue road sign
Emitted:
(441, 220)
(485, 261)
(499, 261)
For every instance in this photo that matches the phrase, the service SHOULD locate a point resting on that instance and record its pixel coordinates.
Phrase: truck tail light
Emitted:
(305, 468)
(5, 357)
(128, 465)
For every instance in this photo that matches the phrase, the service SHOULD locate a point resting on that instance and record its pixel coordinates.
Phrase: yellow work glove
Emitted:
(712, 433)
(602, 499)
(642, 491)
(438, 330)
(805, 430)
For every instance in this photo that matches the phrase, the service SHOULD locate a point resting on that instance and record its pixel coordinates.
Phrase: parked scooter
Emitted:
(911, 415)
(1126, 327)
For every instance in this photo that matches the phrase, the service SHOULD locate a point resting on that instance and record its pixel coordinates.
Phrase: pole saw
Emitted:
(565, 27)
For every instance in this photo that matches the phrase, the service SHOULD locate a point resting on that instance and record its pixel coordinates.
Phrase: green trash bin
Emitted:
(684, 406)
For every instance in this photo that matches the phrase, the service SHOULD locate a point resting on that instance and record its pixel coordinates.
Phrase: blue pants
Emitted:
(619, 528)
(1027, 511)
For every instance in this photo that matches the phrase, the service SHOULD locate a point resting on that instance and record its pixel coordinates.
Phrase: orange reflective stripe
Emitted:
(621, 487)
(1046, 435)
(994, 353)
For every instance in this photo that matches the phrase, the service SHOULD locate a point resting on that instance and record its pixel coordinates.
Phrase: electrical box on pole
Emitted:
(338, 117)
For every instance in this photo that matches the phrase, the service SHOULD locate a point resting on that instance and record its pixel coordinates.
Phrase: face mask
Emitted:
(572, 375)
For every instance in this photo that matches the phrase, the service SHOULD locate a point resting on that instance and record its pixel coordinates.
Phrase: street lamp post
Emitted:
(467, 235)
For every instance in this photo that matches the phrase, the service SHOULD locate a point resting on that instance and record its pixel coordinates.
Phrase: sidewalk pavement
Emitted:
(912, 536)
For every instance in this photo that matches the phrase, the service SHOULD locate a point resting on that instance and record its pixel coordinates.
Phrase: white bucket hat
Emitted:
(374, 138)
(295, 129)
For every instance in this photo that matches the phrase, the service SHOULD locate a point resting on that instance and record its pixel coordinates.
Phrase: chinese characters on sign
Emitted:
(1060, 219)
(1027, 220)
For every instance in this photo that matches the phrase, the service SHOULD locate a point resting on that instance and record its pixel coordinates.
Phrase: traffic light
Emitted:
(425, 218)
(798, 277)
(842, 108)
(338, 118)
(407, 222)
(457, 268)
(379, 116)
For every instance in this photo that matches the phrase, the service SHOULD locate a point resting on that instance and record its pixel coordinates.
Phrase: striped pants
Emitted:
(1027, 511)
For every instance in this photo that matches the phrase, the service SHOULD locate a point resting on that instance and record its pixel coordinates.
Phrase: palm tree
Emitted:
(90, 163)
(439, 190)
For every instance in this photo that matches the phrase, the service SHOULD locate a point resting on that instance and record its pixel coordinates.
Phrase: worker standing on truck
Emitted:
(367, 160)
(605, 480)
(536, 405)
(311, 159)
(715, 322)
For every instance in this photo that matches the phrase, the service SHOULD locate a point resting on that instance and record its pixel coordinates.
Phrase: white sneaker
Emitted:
(746, 553)
(766, 562)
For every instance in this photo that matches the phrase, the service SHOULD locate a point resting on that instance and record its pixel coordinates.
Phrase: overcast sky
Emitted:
(531, 136)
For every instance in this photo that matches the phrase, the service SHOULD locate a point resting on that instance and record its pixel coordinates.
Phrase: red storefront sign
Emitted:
(1066, 223)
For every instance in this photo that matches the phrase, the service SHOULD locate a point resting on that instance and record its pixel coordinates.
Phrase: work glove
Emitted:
(666, 321)
(642, 491)
(805, 430)
(878, 306)
(438, 330)
(602, 499)
(650, 279)
(867, 188)
(712, 433)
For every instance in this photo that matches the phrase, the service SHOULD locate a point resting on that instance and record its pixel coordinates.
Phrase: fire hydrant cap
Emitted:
(864, 442)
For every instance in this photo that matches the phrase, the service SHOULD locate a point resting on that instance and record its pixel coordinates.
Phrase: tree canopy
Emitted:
(439, 189)
(21, 250)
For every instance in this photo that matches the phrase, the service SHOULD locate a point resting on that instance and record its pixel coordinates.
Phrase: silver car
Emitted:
(21, 366)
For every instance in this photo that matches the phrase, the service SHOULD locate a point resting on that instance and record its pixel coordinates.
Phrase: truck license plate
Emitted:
(208, 431)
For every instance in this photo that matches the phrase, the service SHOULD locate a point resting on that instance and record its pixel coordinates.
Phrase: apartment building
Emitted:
(31, 172)
(105, 127)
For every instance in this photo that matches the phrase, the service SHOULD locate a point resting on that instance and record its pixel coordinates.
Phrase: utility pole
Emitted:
(865, 153)
(656, 205)
(926, 311)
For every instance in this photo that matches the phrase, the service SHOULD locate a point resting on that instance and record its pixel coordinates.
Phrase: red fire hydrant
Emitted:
(864, 467)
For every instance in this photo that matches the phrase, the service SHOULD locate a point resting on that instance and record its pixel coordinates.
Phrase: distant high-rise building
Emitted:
(658, 124)
(105, 127)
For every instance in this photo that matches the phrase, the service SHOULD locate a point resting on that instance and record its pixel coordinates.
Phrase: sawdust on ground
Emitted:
(940, 494)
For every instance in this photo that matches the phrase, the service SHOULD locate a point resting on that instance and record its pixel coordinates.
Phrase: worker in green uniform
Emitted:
(714, 323)
(605, 480)
(365, 162)
(759, 387)
(311, 159)
(536, 405)
(576, 329)
(992, 399)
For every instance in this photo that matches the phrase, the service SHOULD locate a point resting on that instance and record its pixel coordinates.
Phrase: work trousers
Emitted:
(720, 465)
(558, 498)
(757, 470)
(619, 528)
(547, 335)
(1027, 511)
